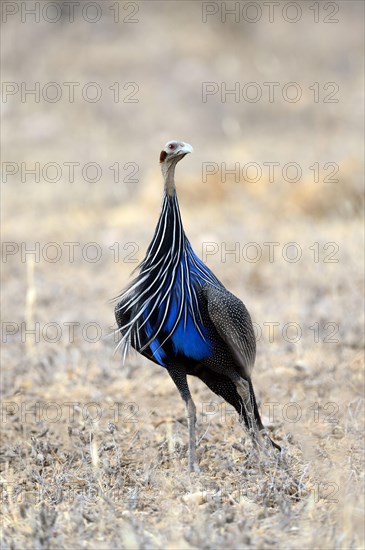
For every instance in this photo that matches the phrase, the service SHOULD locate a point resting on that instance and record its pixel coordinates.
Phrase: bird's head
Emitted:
(174, 151)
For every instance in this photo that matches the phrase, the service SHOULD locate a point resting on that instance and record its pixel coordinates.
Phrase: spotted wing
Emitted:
(233, 324)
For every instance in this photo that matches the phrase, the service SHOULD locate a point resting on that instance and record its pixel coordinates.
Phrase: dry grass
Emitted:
(122, 480)
(93, 453)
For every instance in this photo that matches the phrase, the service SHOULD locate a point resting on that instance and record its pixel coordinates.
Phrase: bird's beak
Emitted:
(185, 149)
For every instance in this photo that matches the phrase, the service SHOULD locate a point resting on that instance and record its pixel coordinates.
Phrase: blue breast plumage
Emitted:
(163, 304)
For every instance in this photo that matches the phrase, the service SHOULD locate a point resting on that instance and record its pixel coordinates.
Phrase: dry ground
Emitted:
(93, 452)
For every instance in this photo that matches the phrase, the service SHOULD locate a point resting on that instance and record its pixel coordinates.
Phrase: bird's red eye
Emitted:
(171, 146)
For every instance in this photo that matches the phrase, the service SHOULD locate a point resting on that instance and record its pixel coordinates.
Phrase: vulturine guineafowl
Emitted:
(179, 315)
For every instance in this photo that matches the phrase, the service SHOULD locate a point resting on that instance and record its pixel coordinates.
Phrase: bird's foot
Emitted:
(264, 442)
(275, 445)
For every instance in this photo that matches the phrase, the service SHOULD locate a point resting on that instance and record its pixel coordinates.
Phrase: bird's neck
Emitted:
(168, 172)
(169, 238)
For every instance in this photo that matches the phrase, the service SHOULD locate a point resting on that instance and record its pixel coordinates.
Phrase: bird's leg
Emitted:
(258, 418)
(181, 383)
(191, 414)
(243, 390)
(250, 413)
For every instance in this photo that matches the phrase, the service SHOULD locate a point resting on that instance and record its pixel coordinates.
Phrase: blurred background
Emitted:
(91, 92)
